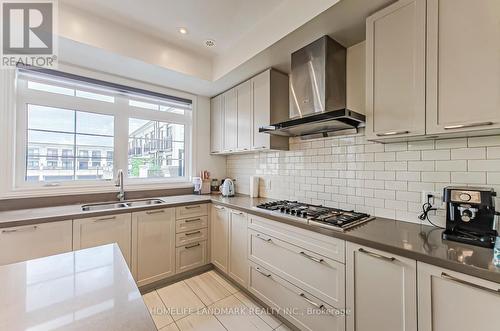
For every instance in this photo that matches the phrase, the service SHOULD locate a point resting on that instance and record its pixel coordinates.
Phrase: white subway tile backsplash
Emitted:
(382, 180)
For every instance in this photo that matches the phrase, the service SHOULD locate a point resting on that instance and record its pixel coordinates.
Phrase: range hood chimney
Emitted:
(318, 94)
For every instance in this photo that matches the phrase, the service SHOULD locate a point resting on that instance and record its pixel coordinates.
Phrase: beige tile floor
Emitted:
(207, 302)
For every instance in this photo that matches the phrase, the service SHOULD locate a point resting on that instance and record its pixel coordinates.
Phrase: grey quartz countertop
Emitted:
(89, 289)
(419, 242)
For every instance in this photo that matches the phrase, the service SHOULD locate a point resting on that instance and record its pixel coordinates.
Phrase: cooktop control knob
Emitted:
(465, 197)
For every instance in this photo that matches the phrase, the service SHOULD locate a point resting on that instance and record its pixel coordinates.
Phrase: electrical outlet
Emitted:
(436, 199)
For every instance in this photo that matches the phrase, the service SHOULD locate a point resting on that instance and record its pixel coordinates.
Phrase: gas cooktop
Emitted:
(333, 218)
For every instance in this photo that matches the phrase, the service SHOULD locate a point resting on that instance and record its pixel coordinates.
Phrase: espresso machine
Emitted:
(470, 215)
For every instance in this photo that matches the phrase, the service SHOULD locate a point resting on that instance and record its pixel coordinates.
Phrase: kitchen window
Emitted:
(73, 130)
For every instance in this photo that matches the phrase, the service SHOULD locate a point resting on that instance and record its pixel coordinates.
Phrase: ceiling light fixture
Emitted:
(210, 43)
(183, 30)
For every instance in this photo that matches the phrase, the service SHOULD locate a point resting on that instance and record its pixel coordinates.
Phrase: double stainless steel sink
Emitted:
(121, 204)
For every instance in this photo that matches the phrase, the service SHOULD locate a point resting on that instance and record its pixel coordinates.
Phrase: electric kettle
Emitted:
(227, 188)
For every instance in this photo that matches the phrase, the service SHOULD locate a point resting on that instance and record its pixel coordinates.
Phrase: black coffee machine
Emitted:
(470, 215)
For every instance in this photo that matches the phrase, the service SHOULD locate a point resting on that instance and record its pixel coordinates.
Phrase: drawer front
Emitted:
(186, 238)
(190, 224)
(28, 242)
(191, 211)
(330, 247)
(321, 276)
(299, 307)
(191, 256)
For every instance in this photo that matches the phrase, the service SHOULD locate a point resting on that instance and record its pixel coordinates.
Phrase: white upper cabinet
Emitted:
(258, 102)
(230, 120)
(451, 301)
(216, 124)
(463, 65)
(244, 95)
(395, 70)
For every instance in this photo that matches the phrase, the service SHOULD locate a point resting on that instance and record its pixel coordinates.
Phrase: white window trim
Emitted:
(13, 184)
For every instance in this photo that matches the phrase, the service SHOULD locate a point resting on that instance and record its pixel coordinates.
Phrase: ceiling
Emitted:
(245, 47)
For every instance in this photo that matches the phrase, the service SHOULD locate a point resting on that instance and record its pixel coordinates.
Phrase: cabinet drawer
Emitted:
(186, 238)
(191, 256)
(28, 242)
(299, 307)
(190, 224)
(330, 247)
(321, 276)
(191, 211)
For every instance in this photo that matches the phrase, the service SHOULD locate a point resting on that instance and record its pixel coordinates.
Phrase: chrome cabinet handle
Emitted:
(192, 246)
(237, 213)
(392, 133)
(31, 228)
(378, 256)
(104, 219)
(464, 282)
(192, 233)
(192, 220)
(192, 207)
(155, 212)
(219, 208)
(262, 272)
(315, 259)
(269, 240)
(317, 305)
(471, 125)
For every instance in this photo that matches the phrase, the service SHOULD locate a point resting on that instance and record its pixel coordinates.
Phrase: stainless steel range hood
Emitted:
(318, 94)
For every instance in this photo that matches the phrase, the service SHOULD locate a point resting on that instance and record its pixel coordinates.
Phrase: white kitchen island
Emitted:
(88, 290)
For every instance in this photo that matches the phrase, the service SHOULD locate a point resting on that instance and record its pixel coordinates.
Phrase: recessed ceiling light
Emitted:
(183, 30)
(210, 43)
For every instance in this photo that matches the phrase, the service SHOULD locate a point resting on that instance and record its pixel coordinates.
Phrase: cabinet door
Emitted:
(220, 236)
(153, 245)
(244, 92)
(28, 242)
(451, 301)
(230, 120)
(395, 70)
(91, 232)
(238, 247)
(216, 130)
(463, 77)
(261, 95)
(381, 290)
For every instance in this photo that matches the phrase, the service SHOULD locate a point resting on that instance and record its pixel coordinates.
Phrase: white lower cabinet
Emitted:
(381, 291)
(220, 237)
(153, 245)
(91, 232)
(23, 243)
(296, 305)
(238, 247)
(451, 301)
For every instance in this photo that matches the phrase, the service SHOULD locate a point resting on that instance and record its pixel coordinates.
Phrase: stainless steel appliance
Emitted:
(332, 218)
(318, 94)
(227, 188)
(470, 215)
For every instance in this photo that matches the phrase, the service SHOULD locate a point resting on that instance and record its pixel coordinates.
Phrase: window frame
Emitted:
(122, 112)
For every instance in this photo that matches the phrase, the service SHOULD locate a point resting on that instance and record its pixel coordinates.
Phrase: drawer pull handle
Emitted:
(192, 207)
(238, 213)
(104, 219)
(315, 259)
(155, 212)
(317, 305)
(192, 233)
(219, 208)
(31, 228)
(378, 256)
(464, 282)
(262, 272)
(192, 246)
(269, 240)
(392, 133)
(192, 220)
(471, 125)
